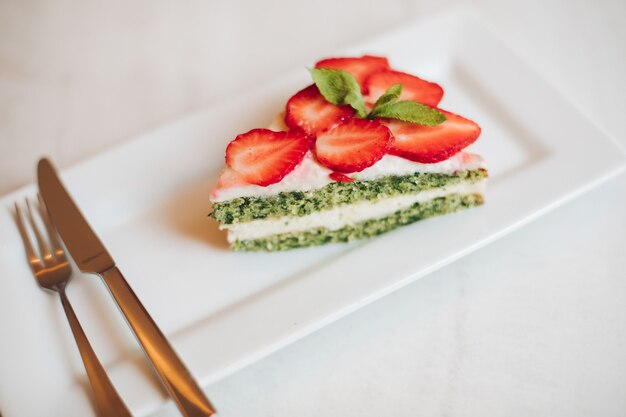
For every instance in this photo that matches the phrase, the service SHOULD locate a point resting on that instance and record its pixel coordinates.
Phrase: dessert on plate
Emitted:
(363, 150)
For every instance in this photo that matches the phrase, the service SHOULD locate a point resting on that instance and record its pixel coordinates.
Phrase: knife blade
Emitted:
(91, 256)
(86, 248)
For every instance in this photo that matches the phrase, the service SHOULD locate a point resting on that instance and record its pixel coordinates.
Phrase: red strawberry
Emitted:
(263, 157)
(309, 111)
(360, 67)
(230, 178)
(227, 179)
(339, 177)
(353, 145)
(413, 88)
(429, 144)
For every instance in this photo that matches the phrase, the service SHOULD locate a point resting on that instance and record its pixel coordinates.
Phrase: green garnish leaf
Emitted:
(340, 88)
(409, 111)
(392, 94)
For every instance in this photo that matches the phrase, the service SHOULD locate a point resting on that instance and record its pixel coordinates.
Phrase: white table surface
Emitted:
(532, 325)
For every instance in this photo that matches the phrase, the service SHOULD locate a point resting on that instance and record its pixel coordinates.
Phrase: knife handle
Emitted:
(181, 386)
(108, 401)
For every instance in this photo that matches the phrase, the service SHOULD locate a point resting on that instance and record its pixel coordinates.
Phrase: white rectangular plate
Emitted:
(224, 310)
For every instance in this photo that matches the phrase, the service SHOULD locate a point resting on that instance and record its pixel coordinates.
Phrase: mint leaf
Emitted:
(388, 106)
(392, 94)
(340, 88)
(409, 111)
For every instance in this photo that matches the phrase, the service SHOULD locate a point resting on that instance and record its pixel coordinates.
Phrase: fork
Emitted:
(53, 271)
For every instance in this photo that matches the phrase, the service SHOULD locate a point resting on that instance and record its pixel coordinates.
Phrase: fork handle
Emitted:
(108, 402)
(178, 381)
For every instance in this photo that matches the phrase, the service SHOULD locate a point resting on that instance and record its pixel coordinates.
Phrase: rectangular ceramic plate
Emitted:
(224, 310)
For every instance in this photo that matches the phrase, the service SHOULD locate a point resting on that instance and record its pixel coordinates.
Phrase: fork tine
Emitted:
(33, 259)
(43, 246)
(53, 236)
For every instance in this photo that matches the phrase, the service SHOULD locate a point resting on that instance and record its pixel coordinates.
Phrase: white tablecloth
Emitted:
(534, 324)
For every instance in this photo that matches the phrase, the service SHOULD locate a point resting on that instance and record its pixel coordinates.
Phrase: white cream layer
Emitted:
(341, 216)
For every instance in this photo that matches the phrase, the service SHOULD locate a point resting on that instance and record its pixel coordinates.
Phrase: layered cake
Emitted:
(363, 150)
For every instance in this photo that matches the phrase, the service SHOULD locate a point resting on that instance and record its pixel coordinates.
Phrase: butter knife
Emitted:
(92, 257)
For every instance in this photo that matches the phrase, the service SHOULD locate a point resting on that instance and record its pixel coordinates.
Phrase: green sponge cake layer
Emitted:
(297, 203)
(361, 230)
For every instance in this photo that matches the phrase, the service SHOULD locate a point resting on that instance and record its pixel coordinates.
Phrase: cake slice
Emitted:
(348, 160)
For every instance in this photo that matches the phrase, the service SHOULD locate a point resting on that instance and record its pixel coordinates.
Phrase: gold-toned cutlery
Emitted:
(53, 272)
(92, 257)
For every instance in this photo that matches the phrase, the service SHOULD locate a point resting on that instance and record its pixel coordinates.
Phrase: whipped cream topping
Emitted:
(310, 174)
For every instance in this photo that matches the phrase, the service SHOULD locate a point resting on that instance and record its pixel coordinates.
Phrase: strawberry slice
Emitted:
(230, 178)
(429, 144)
(353, 145)
(339, 177)
(264, 157)
(413, 88)
(227, 179)
(309, 111)
(360, 67)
